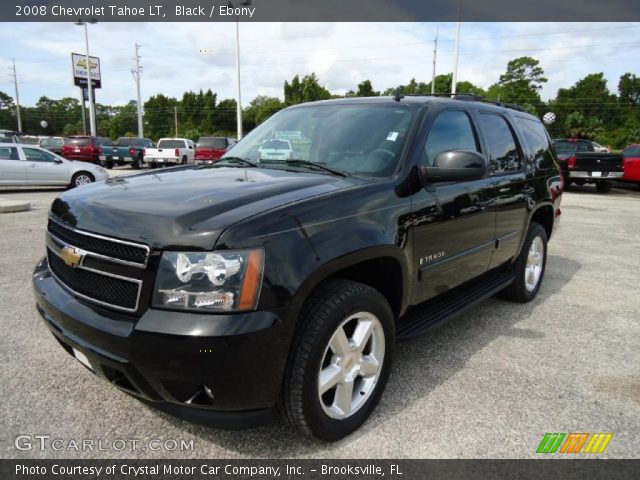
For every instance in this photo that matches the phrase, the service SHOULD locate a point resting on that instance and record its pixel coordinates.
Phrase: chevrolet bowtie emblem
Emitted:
(71, 256)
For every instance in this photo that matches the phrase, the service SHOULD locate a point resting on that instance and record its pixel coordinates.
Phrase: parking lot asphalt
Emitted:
(489, 384)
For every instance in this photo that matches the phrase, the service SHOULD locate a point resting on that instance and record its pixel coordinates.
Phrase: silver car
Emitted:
(32, 165)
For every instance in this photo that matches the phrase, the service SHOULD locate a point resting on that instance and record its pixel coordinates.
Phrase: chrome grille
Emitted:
(104, 270)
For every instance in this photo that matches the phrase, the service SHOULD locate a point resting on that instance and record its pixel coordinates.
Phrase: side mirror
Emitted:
(455, 166)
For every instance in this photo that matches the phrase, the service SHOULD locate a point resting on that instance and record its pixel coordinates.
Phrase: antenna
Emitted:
(398, 95)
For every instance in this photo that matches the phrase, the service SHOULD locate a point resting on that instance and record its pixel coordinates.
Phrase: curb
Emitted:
(12, 206)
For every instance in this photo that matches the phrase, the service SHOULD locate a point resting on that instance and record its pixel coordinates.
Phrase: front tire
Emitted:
(340, 360)
(529, 267)
(81, 178)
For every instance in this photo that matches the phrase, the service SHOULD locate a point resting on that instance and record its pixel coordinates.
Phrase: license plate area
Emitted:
(82, 358)
(596, 174)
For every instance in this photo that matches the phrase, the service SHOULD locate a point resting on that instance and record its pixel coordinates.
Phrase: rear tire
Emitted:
(604, 187)
(137, 163)
(109, 164)
(81, 178)
(529, 267)
(184, 160)
(331, 352)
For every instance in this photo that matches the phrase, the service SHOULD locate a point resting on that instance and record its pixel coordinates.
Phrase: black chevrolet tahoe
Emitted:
(282, 281)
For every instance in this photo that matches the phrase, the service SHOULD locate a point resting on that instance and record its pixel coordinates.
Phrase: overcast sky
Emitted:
(192, 56)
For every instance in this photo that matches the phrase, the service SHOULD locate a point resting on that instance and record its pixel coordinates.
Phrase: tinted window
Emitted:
(77, 141)
(171, 144)
(503, 152)
(630, 152)
(34, 155)
(4, 139)
(451, 130)
(537, 141)
(51, 142)
(212, 142)
(9, 153)
(127, 142)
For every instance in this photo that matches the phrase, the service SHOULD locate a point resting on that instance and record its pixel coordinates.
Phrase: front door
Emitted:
(44, 169)
(454, 222)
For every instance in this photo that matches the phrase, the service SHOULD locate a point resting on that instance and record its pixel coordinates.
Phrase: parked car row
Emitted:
(582, 162)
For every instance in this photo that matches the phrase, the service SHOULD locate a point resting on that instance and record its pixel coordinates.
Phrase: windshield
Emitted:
(171, 144)
(126, 142)
(361, 139)
(212, 142)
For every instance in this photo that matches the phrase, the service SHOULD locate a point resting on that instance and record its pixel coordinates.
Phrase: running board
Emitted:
(421, 318)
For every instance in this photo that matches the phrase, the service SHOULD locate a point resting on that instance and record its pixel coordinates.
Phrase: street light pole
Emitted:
(239, 105)
(454, 77)
(137, 75)
(92, 113)
(15, 84)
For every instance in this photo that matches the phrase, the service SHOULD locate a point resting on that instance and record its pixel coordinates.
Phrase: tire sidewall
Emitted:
(320, 424)
(78, 174)
(536, 230)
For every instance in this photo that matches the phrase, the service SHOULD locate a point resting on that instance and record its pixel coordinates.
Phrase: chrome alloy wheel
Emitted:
(535, 262)
(82, 179)
(351, 365)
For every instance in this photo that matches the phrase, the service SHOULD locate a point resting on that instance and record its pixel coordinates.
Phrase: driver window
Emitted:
(34, 155)
(451, 130)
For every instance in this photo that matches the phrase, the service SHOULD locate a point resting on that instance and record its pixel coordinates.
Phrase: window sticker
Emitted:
(393, 136)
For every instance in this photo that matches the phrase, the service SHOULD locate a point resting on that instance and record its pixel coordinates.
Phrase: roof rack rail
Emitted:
(470, 97)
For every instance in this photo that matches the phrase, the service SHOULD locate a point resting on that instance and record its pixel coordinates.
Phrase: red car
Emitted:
(210, 149)
(631, 164)
(84, 148)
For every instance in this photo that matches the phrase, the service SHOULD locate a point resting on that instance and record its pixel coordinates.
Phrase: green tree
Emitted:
(225, 116)
(158, 116)
(629, 89)
(307, 90)
(522, 82)
(260, 108)
(365, 89)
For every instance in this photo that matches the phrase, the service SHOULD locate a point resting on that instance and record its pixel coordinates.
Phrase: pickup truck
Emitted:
(581, 164)
(218, 292)
(126, 150)
(170, 151)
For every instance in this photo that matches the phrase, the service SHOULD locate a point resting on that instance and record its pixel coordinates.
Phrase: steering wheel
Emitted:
(383, 150)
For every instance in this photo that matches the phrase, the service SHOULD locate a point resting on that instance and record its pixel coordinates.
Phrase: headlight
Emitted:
(209, 281)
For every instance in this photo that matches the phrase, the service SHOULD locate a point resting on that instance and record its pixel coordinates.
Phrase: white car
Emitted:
(275, 149)
(32, 165)
(600, 148)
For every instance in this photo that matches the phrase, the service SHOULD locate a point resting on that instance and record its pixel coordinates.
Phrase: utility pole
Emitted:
(175, 119)
(454, 77)
(15, 84)
(435, 54)
(136, 74)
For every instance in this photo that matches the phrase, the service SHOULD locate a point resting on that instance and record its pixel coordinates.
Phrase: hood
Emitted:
(186, 207)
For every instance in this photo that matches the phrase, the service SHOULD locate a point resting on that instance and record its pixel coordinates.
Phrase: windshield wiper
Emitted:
(297, 162)
(241, 160)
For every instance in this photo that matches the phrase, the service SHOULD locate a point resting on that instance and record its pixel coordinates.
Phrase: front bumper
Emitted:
(221, 370)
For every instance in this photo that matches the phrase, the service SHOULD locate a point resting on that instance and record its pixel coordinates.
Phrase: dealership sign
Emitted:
(79, 65)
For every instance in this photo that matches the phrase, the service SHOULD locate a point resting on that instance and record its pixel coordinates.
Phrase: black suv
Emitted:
(218, 292)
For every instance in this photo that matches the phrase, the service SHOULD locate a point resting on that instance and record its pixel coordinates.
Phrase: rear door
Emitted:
(13, 171)
(514, 185)
(44, 169)
(454, 226)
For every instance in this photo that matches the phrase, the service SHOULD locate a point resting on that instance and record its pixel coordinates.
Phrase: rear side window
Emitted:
(9, 153)
(503, 150)
(537, 142)
(451, 130)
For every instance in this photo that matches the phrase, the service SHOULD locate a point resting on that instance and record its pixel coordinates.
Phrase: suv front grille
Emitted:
(99, 269)
(109, 291)
(124, 251)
